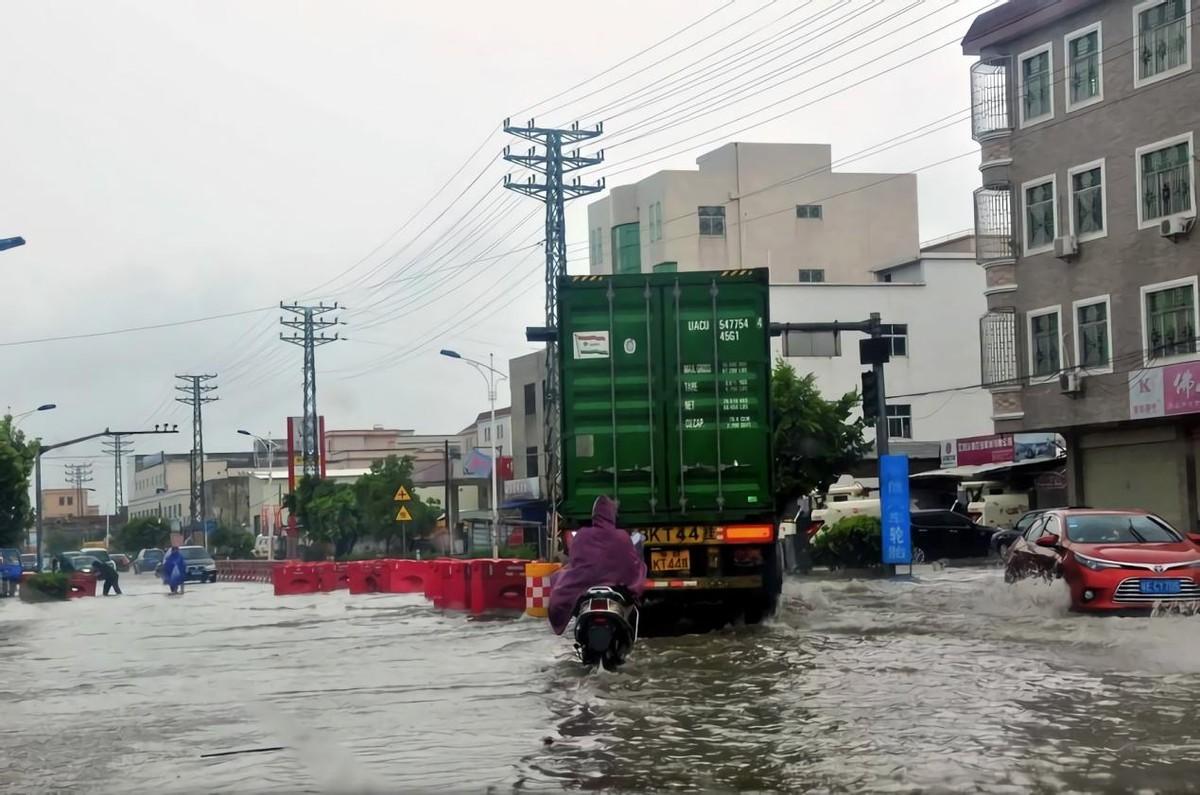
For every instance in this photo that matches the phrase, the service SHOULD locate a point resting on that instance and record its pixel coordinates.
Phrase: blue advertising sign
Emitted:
(893, 509)
(210, 525)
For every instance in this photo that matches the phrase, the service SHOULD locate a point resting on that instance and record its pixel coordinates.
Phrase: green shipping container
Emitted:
(666, 383)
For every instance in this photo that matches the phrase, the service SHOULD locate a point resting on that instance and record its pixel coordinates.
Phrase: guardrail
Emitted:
(247, 570)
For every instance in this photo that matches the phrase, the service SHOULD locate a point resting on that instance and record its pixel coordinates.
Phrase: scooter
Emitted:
(606, 626)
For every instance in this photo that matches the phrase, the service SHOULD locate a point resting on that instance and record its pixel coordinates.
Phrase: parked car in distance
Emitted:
(147, 560)
(77, 561)
(1002, 540)
(121, 561)
(1110, 560)
(29, 562)
(200, 565)
(939, 533)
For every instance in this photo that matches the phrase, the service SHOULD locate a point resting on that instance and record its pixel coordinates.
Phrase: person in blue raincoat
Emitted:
(174, 570)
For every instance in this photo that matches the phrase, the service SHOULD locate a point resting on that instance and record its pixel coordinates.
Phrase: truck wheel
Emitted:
(763, 604)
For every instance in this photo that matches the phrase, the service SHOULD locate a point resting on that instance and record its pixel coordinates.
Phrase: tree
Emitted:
(328, 513)
(16, 465)
(815, 439)
(145, 532)
(235, 543)
(375, 492)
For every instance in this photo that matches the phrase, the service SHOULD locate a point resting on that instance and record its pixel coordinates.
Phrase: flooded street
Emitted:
(953, 682)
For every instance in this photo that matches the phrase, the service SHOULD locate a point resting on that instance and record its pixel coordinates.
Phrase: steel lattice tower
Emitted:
(77, 475)
(553, 164)
(118, 446)
(308, 322)
(195, 394)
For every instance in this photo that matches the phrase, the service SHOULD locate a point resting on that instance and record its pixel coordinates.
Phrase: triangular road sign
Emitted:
(403, 515)
(401, 495)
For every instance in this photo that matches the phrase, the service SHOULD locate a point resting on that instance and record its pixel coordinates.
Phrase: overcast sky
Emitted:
(172, 160)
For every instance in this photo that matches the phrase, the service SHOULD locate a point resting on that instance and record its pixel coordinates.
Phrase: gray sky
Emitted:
(171, 160)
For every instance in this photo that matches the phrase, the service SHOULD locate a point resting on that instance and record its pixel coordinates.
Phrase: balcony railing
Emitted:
(994, 225)
(998, 354)
(990, 108)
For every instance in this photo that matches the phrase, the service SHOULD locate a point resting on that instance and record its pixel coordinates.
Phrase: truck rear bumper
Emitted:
(746, 582)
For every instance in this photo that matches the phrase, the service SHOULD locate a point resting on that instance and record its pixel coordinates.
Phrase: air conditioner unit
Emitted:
(1070, 382)
(1176, 226)
(1066, 247)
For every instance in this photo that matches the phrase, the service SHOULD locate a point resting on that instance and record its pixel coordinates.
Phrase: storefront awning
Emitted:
(975, 472)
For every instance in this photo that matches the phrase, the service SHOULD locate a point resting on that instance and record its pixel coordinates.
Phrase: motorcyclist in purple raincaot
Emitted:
(600, 554)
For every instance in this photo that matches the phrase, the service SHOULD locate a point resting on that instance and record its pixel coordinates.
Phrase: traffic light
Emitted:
(870, 395)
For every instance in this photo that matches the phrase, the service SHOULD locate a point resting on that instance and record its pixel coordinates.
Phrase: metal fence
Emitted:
(998, 354)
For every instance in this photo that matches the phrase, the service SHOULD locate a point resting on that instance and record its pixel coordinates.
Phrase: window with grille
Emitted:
(1093, 338)
(1164, 39)
(1039, 216)
(1083, 62)
(1037, 102)
(899, 419)
(897, 335)
(712, 221)
(1171, 320)
(1087, 200)
(808, 211)
(812, 275)
(1045, 354)
(1165, 176)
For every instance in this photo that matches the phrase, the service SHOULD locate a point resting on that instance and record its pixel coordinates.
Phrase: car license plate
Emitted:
(670, 560)
(1160, 586)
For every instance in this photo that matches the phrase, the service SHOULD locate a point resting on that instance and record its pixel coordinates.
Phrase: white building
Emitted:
(930, 308)
(753, 205)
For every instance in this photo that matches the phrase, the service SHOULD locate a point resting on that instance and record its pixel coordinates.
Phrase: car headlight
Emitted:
(1095, 564)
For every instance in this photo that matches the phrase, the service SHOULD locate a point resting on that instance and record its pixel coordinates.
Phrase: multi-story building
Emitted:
(65, 503)
(1086, 114)
(754, 205)
(162, 482)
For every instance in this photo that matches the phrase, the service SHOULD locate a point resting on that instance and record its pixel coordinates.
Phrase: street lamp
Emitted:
(11, 242)
(44, 407)
(271, 448)
(490, 376)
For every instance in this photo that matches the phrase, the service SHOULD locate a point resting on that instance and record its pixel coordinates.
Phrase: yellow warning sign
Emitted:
(401, 495)
(403, 515)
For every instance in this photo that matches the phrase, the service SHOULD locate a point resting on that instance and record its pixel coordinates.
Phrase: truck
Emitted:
(665, 383)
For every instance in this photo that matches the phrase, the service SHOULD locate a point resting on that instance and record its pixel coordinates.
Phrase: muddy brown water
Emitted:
(954, 682)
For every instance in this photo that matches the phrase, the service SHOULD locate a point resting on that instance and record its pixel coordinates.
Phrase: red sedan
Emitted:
(1110, 560)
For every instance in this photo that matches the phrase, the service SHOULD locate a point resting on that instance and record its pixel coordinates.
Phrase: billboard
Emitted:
(1164, 391)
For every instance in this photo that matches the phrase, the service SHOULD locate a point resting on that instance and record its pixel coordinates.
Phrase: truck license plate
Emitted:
(682, 535)
(670, 560)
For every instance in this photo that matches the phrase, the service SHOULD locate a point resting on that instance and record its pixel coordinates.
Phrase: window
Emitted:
(1089, 209)
(530, 399)
(811, 343)
(62, 500)
(812, 275)
(808, 211)
(1165, 177)
(487, 433)
(650, 224)
(1045, 342)
(1164, 40)
(899, 417)
(70, 500)
(712, 221)
(1040, 215)
(897, 333)
(627, 249)
(666, 267)
(531, 462)
(1169, 312)
(1085, 67)
(499, 431)
(1093, 339)
(1035, 91)
(596, 245)
(656, 221)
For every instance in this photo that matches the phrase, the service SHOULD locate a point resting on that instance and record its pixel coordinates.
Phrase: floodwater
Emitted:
(954, 682)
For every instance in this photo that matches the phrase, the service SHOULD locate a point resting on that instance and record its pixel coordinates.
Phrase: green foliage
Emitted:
(327, 511)
(815, 439)
(16, 465)
(855, 542)
(57, 541)
(146, 532)
(46, 586)
(234, 543)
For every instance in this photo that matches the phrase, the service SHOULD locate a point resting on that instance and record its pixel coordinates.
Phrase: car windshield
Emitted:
(1119, 529)
(10, 555)
(98, 554)
(194, 553)
(152, 554)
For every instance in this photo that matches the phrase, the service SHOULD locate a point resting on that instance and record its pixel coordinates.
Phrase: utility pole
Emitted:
(552, 164)
(306, 324)
(118, 446)
(196, 392)
(77, 475)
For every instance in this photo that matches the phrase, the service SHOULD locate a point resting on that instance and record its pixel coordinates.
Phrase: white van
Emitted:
(992, 503)
(847, 497)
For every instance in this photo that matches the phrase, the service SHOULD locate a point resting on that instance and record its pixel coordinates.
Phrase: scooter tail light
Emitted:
(598, 604)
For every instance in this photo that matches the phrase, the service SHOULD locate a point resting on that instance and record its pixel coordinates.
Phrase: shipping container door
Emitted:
(716, 336)
(612, 396)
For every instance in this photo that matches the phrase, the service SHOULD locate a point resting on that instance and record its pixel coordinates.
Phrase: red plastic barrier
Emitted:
(327, 576)
(343, 575)
(434, 582)
(295, 578)
(455, 585)
(497, 585)
(81, 585)
(366, 576)
(409, 576)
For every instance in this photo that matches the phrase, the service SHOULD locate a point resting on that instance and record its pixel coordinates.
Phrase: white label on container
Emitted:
(591, 344)
(630, 346)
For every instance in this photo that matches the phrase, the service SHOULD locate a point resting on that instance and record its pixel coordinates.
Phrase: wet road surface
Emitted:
(954, 682)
